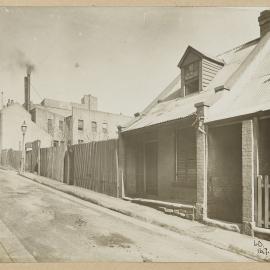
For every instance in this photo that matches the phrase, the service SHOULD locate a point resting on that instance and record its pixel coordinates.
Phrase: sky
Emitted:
(125, 56)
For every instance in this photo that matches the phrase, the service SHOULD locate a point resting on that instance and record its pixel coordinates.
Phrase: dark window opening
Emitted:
(55, 143)
(61, 125)
(191, 78)
(105, 128)
(50, 125)
(80, 124)
(191, 86)
(94, 126)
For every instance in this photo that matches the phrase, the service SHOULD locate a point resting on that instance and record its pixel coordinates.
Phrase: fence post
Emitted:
(266, 201)
(38, 157)
(259, 201)
(117, 173)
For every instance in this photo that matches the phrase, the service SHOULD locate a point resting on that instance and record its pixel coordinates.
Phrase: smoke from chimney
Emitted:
(23, 62)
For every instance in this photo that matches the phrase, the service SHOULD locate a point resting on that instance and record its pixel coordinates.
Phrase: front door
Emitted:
(151, 154)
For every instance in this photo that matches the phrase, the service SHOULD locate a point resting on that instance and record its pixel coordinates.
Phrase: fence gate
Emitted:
(262, 201)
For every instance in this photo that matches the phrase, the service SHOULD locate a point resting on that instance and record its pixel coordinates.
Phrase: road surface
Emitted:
(56, 227)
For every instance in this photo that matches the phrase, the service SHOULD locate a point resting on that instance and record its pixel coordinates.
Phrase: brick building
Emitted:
(73, 123)
(205, 139)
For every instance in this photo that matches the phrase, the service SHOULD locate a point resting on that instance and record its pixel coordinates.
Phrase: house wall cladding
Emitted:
(225, 173)
(168, 188)
(209, 71)
(52, 162)
(11, 158)
(95, 166)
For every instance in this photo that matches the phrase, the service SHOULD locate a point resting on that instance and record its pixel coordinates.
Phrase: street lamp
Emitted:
(23, 129)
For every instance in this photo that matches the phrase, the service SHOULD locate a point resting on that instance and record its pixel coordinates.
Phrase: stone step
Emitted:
(183, 213)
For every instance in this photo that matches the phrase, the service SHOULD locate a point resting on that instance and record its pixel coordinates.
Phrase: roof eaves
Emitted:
(160, 123)
(203, 55)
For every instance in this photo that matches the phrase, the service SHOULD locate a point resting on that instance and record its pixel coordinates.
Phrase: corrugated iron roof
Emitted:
(184, 106)
(251, 92)
(170, 110)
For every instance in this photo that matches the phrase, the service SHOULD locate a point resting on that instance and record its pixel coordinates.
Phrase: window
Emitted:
(80, 141)
(191, 86)
(80, 124)
(61, 125)
(50, 126)
(191, 78)
(55, 143)
(33, 115)
(186, 169)
(94, 126)
(105, 128)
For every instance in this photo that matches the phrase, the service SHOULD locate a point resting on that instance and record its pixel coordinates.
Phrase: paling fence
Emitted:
(11, 158)
(52, 162)
(91, 165)
(94, 166)
(262, 199)
(32, 156)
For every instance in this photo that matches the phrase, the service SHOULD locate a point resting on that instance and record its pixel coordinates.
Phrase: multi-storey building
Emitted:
(74, 123)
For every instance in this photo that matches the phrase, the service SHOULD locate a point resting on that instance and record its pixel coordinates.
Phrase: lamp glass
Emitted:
(24, 127)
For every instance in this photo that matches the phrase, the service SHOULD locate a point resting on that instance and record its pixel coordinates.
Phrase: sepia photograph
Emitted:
(134, 134)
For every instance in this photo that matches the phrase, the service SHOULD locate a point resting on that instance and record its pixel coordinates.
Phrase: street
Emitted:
(56, 227)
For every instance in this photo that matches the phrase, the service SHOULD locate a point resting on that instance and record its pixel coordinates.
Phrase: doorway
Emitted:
(225, 173)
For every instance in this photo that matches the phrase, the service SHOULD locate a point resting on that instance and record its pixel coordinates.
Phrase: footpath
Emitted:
(247, 246)
(11, 249)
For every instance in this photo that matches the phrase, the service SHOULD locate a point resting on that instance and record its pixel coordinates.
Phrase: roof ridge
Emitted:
(238, 47)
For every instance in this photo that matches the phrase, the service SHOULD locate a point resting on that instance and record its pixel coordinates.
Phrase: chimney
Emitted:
(264, 22)
(90, 101)
(27, 91)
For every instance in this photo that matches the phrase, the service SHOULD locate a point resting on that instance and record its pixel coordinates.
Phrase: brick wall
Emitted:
(201, 149)
(248, 132)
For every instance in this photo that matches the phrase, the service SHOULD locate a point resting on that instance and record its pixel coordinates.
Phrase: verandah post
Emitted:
(201, 139)
(249, 170)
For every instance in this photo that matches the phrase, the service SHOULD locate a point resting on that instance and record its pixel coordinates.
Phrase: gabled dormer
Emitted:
(197, 71)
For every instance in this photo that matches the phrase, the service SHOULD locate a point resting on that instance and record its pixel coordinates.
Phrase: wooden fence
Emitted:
(262, 201)
(32, 156)
(94, 166)
(11, 158)
(52, 162)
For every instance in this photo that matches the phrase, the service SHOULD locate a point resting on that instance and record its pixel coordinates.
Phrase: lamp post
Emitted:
(23, 129)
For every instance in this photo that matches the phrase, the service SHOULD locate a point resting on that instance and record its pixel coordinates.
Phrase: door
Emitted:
(151, 168)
